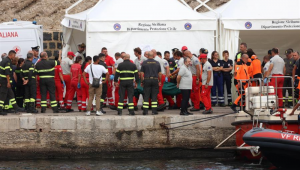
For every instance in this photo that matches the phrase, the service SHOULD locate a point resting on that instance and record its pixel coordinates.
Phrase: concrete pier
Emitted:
(64, 134)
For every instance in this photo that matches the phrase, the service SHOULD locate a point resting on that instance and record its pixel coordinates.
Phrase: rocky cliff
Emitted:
(49, 13)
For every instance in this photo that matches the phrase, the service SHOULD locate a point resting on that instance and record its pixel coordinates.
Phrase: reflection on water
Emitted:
(132, 164)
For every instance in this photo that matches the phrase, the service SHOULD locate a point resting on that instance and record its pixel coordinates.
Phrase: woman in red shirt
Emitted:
(84, 86)
(59, 85)
(75, 74)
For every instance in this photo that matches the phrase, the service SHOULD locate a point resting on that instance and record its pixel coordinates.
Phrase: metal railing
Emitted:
(261, 91)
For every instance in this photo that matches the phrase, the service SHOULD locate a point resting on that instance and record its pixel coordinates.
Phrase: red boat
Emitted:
(261, 110)
(280, 148)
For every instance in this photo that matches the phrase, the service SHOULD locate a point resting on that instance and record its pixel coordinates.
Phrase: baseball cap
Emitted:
(184, 48)
(71, 54)
(203, 56)
(82, 45)
(288, 51)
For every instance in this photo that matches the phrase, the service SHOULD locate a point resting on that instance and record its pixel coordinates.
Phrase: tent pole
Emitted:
(72, 6)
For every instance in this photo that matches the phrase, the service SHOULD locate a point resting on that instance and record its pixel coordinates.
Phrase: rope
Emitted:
(201, 120)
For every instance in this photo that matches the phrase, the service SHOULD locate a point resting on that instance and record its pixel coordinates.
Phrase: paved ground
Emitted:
(109, 112)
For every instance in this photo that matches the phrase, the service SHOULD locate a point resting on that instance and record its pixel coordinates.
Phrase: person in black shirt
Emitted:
(218, 80)
(20, 87)
(6, 93)
(151, 80)
(227, 75)
(104, 85)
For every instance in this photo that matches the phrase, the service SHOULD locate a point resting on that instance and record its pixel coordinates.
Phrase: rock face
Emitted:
(49, 13)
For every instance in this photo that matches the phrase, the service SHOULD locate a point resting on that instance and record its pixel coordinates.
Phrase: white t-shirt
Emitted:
(119, 61)
(180, 62)
(163, 64)
(278, 65)
(65, 64)
(266, 67)
(138, 62)
(98, 70)
(194, 62)
(207, 67)
(79, 54)
(186, 78)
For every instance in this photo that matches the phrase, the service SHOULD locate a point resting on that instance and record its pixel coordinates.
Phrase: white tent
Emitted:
(122, 25)
(262, 24)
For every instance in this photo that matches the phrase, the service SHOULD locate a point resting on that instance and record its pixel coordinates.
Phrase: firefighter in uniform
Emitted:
(28, 76)
(6, 93)
(45, 70)
(241, 73)
(151, 80)
(127, 72)
(104, 85)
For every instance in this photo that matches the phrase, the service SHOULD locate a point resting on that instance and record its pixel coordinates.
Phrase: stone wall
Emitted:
(78, 136)
(52, 43)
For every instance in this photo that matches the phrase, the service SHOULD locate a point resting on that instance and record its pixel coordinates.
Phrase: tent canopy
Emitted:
(122, 25)
(261, 15)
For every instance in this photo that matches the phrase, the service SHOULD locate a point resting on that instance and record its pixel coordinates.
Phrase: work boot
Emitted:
(19, 109)
(101, 106)
(69, 110)
(32, 108)
(119, 112)
(161, 107)
(2, 112)
(154, 111)
(131, 112)
(145, 111)
(233, 107)
(55, 110)
(113, 107)
(221, 104)
(27, 107)
(202, 107)
(194, 110)
(43, 110)
(136, 108)
(184, 113)
(208, 111)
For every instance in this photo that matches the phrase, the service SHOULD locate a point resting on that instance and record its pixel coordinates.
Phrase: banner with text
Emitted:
(96, 26)
(261, 24)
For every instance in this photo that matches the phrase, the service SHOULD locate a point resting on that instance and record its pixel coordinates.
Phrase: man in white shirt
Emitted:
(276, 68)
(195, 68)
(95, 71)
(207, 83)
(165, 70)
(66, 64)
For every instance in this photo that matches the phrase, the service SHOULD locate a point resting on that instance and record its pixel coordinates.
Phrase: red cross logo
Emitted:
(17, 49)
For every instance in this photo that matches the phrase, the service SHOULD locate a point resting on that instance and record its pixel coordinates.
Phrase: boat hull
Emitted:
(280, 148)
(247, 125)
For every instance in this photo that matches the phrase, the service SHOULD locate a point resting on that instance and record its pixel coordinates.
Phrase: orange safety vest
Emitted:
(256, 64)
(242, 72)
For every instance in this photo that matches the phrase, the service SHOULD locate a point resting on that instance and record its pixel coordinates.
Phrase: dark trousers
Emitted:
(47, 85)
(20, 95)
(227, 81)
(185, 99)
(104, 92)
(218, 83)
(6, 95)
(150, 89)
(287, 83)
(30, 91)
(126, 85)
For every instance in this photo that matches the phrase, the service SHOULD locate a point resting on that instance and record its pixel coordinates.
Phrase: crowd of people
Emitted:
(41, 82)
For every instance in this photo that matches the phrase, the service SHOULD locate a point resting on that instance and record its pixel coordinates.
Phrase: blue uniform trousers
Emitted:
(227, 81)
(218, 83)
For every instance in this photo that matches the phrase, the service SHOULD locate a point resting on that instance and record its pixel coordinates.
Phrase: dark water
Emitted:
(134, 164)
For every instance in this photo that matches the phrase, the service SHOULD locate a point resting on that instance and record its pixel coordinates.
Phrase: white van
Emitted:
(20, 36)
